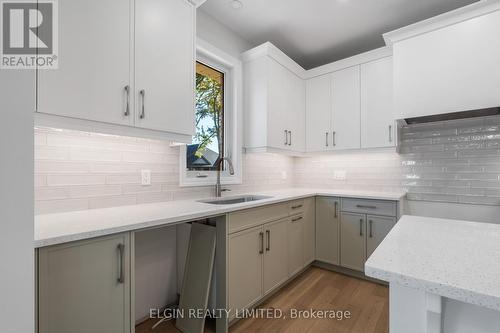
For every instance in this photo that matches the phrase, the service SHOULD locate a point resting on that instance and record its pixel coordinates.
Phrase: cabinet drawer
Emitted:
(296, 206)
(366, 206)
(257, 216)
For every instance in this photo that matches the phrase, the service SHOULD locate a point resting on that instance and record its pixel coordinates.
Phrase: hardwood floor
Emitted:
(168, 327)
(317, 289)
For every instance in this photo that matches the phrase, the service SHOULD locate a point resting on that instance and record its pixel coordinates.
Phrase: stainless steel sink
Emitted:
(235, 200)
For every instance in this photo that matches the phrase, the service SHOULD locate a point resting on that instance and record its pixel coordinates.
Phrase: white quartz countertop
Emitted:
(455, 259)
(51, 229)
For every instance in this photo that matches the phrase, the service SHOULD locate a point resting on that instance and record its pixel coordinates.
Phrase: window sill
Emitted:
(210, 181)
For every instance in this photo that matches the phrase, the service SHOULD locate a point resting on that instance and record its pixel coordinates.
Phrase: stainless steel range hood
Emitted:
(453, 116)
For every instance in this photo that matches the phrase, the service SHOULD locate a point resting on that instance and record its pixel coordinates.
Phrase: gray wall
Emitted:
(17, 104)
(155, 270)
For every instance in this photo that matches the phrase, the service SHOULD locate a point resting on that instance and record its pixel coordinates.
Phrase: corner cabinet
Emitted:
(351, 108)
(133, 66)
(333, 111)
(348, 230)
(364, 223)
(84, 286)
(274, 101)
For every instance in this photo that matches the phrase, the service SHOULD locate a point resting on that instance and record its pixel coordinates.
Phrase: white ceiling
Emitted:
(316, 32)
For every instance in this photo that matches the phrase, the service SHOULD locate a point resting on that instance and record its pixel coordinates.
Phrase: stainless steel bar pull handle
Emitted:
(297, 206)
(336, 209)
(127, 107)
(366, 206)
(390, 133)
(290, 140)
(371, 228)
(333, 139)
(142, 93)
(268, 234)
(297, 219)
(326, 137)
(361, 227)
(121, 258)
(261, 235)
(286, 137)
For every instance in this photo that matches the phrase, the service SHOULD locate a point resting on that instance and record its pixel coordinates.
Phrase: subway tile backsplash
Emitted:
(453, 161)
(80, 170)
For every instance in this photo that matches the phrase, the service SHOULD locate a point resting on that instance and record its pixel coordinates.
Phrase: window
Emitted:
(218, 119)
(208, 142)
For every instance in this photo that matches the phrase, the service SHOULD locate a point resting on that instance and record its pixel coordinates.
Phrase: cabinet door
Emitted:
(378, 227)
(164, 65)
(295, 244)
(377, 116)
(309, 231)
(346, 108)
(246, 249)
(318, 113)
(277, 113)
(275, 258)
(80, 289)
(352, 241)
(297, 112)
(451, 69)
(94, 63)
(328, 230)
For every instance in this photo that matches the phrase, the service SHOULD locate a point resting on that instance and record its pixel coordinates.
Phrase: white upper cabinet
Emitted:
(296, 120)
(318, 113)
(277, 107)
(132, 65)
(346, 108)
(377, 116)
(274, 101)
(449, 64)
(164, 71)
(344, 105)
(351, 107)
(94, 63)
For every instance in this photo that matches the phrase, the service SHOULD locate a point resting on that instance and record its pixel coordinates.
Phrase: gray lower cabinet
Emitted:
(267, 246)
(364, 225)
(328, 230)
(84, 286)
(275, 254)
(257, 263)
(245, 251)
(309, 230)
(295, 244)
(352, 241)
(377, 228)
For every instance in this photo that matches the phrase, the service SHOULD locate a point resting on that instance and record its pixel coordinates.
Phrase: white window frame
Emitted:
(233, 118)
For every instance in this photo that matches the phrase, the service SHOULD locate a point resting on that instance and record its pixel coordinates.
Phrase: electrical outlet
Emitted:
(145, 177)
(339, 174)
(283, 175)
